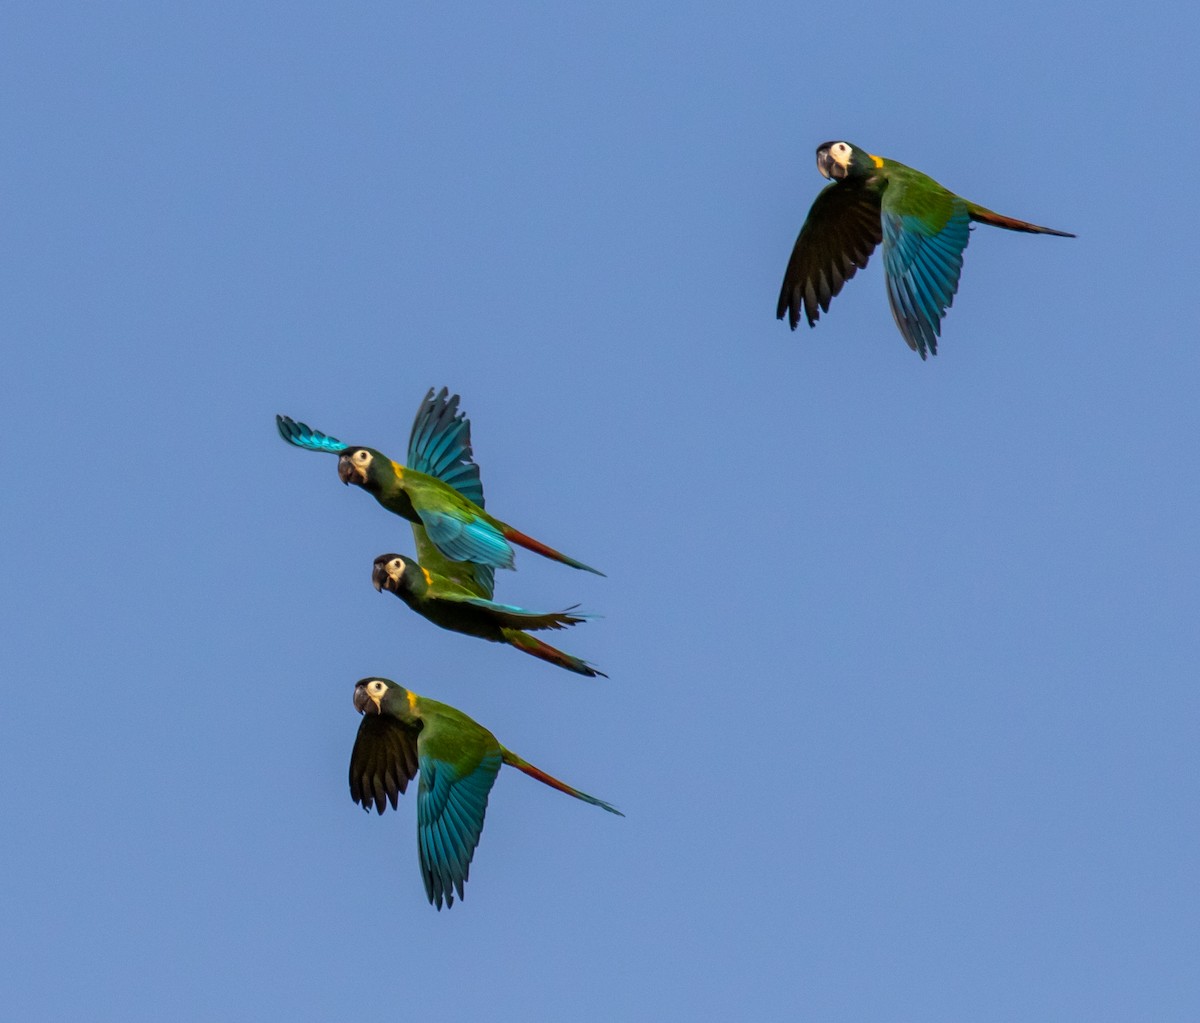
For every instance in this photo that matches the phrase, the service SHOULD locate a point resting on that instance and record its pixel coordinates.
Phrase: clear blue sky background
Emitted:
(903, 701)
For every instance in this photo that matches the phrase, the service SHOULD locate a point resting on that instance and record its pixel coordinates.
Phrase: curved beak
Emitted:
(348, 472)
(378, 576)
(364, 702)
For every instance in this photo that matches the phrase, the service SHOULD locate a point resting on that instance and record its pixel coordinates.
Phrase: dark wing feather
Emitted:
(837, 239)
(383, 762)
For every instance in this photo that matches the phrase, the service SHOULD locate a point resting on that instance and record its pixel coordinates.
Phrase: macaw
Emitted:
(924, 229)
(460, 609)
(402, 733)
(434, 490)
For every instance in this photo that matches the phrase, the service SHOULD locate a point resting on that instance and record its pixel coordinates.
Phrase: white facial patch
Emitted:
(395, 568)
(841, 153)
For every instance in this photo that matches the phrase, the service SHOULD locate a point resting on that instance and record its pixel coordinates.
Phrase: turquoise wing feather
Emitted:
(450, 812)
(466, 540)
(922, 263)
(440, 446)
(304, 436)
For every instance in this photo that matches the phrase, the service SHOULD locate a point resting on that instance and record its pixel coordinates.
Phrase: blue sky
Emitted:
(903, 702)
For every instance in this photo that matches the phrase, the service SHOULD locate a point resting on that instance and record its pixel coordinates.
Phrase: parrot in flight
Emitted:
(402, 733)
(924, 229)
(439, 489)
(460, 609)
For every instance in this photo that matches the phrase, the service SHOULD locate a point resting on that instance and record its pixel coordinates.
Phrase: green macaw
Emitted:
(924, 229)
(452, 520)
(402, 733)
(460, 609)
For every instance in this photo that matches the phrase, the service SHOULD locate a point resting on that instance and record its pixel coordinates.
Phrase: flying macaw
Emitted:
(459, 609)
(434, 491)
(924, 229)
(402, 733)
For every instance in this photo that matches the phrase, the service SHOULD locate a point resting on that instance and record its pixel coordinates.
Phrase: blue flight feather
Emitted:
(922, 271)
(304, 436)
(440, 445)
(474, 540)
(450, 812)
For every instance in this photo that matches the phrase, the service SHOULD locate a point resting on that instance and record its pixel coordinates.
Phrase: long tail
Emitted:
(986, 216)
(530, 544)
(544, 651)
(513, 760)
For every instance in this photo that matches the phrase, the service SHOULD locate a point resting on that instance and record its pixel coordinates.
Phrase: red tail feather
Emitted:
(513, 760)
(544, 651)
(1012, 224)
(530, 544)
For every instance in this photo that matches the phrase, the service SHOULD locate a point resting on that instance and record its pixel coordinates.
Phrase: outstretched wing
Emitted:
(463, 537)
(835, 242)
(440, 446)
(924, 237)
(383, 761)
(450, 808)
(304, 436)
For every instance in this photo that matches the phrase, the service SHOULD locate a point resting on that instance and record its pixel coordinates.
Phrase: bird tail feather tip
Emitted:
(987, 216)
(544, 651)
(513, 760)
(530, 544)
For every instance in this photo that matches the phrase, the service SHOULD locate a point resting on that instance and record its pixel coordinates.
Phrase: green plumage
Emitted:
(458, 608)
(458, 759)
(457, 526)
(924, 228)
(438, 491)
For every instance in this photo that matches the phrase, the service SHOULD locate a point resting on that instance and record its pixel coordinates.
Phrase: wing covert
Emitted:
(466, 540)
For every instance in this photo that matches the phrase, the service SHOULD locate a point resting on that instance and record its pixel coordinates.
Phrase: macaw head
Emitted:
(389, 572)
(840, 160)
(361, 467)
(371, 693)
